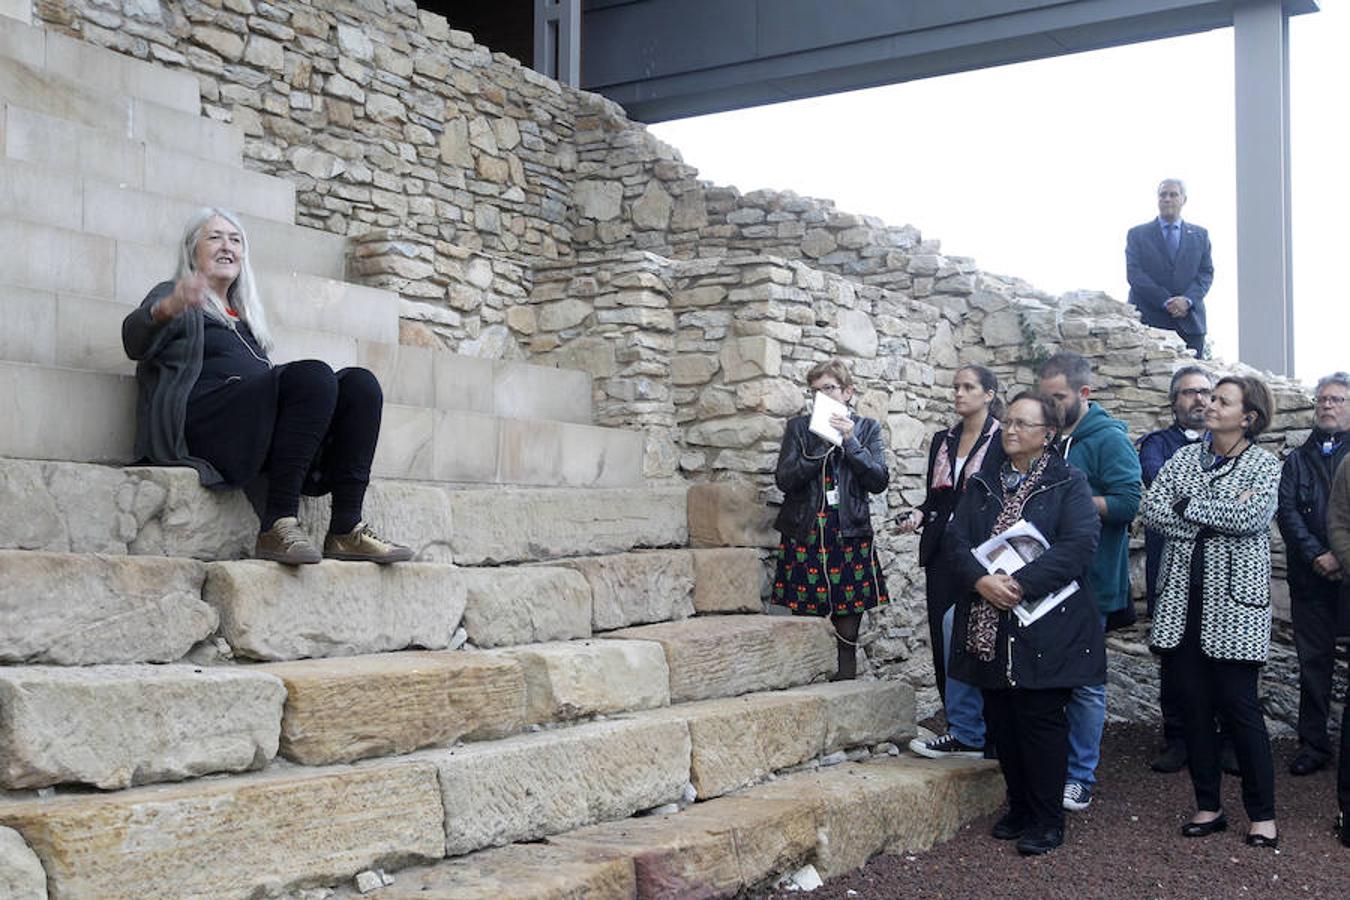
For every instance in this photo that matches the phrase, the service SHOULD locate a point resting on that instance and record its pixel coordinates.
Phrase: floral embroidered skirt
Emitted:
(830, 575)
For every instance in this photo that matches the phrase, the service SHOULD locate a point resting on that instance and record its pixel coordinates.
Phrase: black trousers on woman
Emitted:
(1208, 687)
(940, 593)
(1031, 733)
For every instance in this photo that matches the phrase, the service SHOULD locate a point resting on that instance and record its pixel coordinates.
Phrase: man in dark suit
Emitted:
(1168, 266)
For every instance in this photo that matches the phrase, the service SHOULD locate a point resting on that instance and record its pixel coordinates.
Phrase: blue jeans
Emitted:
(965, 704)
(1087, 715)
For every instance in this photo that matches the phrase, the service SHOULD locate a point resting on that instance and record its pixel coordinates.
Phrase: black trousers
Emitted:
(327, 426)
(1196, 342)
(1314, 606)
(1030, 731)
(940, 593)
(1208, 687)
(1343, 770)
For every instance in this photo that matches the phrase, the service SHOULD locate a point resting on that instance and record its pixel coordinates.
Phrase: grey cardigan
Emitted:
(168, 359)
(1235, 597)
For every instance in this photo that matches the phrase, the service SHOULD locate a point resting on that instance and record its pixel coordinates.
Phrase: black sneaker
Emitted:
(944, 746)
(1040, 841)
(1344, 828)
(1172, 759)
(1077, 797)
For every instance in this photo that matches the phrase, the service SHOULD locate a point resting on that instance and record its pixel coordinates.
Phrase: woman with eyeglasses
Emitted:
(1027, 670)
(1213, 503)
(826, 561)
(955, 454)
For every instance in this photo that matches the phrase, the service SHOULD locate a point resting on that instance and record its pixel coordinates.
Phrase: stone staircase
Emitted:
(179, 721)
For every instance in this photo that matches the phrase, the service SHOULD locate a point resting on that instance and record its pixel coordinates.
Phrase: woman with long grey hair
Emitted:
(210, 398)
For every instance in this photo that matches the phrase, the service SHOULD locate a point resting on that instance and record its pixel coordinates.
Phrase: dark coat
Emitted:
(1305, 489)
(798, 476)
(938, 505)
(1155, 278)
(1063, 649)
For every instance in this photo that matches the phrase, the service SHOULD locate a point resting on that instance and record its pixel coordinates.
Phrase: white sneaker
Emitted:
(1077, 797)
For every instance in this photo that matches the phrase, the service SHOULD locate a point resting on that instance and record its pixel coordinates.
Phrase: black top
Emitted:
(938, 505)
(227, 354)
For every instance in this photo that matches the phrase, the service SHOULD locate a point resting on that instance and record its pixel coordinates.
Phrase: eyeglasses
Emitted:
(1331, 400)
(1197, 393)
(1021, 425)
(826, 389)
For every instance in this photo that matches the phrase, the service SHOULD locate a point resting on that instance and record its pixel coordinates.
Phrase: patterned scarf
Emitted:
(982, 626)
(942, 468)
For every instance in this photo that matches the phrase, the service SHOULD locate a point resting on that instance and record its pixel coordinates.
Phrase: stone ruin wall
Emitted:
(522, 219)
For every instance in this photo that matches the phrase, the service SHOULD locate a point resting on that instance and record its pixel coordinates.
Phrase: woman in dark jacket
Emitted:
(826, 562)
(1027, 671)
(955, 454)
(211, 398)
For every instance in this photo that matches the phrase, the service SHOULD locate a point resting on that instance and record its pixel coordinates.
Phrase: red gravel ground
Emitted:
(1128, 845)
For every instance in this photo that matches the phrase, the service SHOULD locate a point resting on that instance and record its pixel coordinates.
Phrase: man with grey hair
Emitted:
(1311, 569)
(1168, 266)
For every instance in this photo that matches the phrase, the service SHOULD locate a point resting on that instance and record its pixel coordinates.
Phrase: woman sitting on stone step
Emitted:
(827, 562)
(210, 398)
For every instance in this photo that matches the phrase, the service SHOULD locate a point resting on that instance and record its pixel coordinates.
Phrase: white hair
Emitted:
(1181, 185)
(243, 294)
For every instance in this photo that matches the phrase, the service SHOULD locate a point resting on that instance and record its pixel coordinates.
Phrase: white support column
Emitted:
(1264, 263)
(557, 40)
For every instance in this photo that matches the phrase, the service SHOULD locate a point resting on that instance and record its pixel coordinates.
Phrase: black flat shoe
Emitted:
(1040, 841)
(1008, 828)
(1260, 840)
(1205, 829)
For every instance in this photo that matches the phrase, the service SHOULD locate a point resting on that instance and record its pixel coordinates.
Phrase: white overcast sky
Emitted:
(1037, 169)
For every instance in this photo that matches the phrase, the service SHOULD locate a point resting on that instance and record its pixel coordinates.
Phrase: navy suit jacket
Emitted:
(1154, 278)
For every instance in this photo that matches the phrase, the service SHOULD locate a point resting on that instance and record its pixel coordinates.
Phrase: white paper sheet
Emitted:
(1010, 551)
(826, 406)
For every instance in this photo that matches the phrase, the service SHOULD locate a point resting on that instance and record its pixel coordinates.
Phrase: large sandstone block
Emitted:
(736, 741)
(518, 872)
(727, 580)
(275, 612)
(341, 710)
(507, 606)
(528, 787)
(239, 837)
(900, 805)
(572, 679)
(862, 713)
(729, 515)
(637, 588)
(114, 726)
(514, 525)
(722, 656)
(714, 849)
(77, 610)
(21, 875)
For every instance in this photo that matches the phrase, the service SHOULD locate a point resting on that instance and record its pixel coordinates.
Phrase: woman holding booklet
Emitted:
(829, 464)
(1027, 665)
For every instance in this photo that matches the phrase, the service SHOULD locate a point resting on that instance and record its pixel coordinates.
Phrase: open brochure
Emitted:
(1011, 550)
(826, 406)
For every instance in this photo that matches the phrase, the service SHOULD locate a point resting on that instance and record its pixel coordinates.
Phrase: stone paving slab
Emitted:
(574, 679)
(506, 605)
(78, 609)
(342, 710)
(637, 588)
(238, 837)
(528, 787)
(714, 849)
(863, 713)
(115, 726)
(274, 612)
(723, 656)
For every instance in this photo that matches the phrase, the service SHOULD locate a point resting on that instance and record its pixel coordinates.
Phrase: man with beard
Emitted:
(1311, 569)
(1189, 397)
(1099, 447)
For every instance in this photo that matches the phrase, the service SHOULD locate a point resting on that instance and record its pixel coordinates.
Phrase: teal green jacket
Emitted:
(1100, 448)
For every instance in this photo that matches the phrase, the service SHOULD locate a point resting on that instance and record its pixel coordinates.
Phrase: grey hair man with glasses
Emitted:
(1311, 569)
(1188, 395)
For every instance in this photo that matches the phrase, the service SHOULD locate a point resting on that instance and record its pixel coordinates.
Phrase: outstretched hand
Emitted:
(191, 291)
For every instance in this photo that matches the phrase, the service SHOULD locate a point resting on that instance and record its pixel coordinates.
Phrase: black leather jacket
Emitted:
(1305, 488)
(801, 461)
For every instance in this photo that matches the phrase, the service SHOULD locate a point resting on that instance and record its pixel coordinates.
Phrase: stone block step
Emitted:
(273, 612)
(78, 609)
(723, 656)
(234, 837)
(149, 510)
(391, 703)
(40, 151)
(574, 679)
(98, 68)
(508, 605)
(115, 726)
(29, 87)
(98, 417)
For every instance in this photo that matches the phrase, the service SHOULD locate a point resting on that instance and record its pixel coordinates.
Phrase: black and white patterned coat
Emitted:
(1235, 599)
